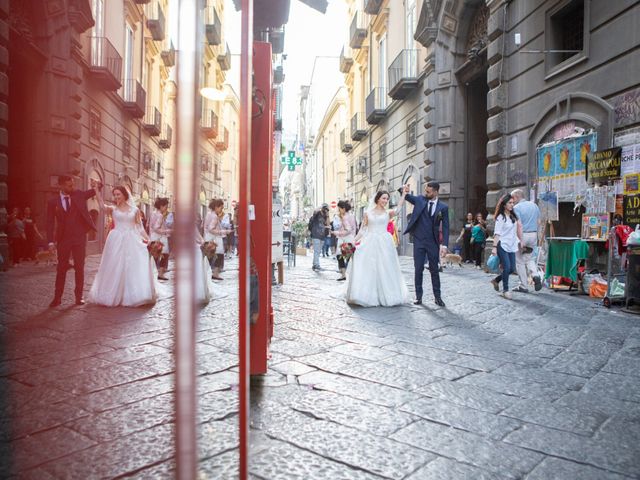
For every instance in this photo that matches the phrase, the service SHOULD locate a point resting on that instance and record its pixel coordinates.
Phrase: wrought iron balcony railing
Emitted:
(153, 121)
(372, 7)
(346, 59)
(213, 26)
(358, 31)
(358, 128)
(165, 138)
(403, 74)
(223, 143)
(134, 97)
(209, 123)
(376, 105)
(105, 63)
(345, 141)
(225, 59)
(156, 21)
(169, 56)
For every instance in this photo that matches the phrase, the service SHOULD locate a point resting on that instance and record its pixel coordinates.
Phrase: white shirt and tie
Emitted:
(432, 207)
(66, 201)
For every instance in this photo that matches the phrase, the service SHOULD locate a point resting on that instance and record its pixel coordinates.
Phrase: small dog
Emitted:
(450, 258)
(46, 256)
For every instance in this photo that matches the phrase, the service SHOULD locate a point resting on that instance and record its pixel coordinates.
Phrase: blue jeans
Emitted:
(326, 247)
(508, 263)
(317, 249)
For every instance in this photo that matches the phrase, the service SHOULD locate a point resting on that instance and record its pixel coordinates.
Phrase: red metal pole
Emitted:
(246, 65)
(185, 180)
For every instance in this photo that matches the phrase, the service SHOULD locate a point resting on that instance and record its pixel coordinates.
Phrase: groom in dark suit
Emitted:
(429, 226)
(67, 214)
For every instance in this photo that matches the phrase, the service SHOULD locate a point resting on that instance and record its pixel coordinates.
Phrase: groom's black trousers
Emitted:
(65, 250)
(420, 252)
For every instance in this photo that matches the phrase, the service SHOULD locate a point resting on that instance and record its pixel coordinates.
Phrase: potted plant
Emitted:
(301, 231)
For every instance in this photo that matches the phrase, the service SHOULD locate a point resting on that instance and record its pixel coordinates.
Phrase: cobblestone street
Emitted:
(542, 387)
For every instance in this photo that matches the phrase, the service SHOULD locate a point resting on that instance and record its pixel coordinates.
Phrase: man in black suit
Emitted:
(429, 226)
(68, 215)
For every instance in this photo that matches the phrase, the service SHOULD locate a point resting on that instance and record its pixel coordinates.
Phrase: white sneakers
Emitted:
(507, 295)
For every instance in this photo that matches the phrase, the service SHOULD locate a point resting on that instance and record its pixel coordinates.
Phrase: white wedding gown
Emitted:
(127, 274)
(373, 276)
(204, 290)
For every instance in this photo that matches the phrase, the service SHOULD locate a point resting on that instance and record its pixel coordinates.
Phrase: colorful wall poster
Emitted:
(548, 205)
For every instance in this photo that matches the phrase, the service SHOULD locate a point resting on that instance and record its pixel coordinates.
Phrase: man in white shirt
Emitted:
(529, 215)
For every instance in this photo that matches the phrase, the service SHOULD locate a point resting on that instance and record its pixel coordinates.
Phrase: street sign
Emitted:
(334, 204)
(292, 154)
(292, 167)
(283, 160)
(298, 160)
(233, 204)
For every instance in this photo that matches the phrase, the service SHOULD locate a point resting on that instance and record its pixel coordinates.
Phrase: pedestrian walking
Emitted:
(429, 225)
(344, 233)
(32, 235)
(68, 217)
(16, 236)
(159, 231)
(478, 239)
(529, 215)
(213, 232)
(317, 227)
(506, 238)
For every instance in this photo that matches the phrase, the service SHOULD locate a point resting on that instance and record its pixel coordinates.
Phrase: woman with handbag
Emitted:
(159, 231)
(345, 233)
(213, 232)
(506, 238)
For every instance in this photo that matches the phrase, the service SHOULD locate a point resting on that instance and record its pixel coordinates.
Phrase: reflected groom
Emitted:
(429, 226)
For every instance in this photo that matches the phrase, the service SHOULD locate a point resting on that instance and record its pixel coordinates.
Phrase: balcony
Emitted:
(213, 26)
(225, 60)
(152, 121)
(276, 39)
(165, 137)
(278, 75)
(358, 128)
(358, 31)
(376, 106)
(205, 163)
(169, 56)
(346, 59)
(372, 7)
(345, 143)
(156, 22)
(209, 124)
(403, 74)
(134, 98)
(223, 143)
(141, 2)
(106, 64)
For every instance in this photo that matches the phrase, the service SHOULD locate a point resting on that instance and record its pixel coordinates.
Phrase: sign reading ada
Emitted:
(631, 210)
(604, 165)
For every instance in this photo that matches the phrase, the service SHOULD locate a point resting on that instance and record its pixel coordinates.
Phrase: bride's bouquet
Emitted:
(347, 250)
(155, 249)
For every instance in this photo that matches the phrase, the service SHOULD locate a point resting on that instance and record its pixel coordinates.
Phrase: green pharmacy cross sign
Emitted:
(290, 160)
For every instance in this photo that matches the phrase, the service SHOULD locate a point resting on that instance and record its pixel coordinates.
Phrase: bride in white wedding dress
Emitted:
(126, 275)
(374, 277)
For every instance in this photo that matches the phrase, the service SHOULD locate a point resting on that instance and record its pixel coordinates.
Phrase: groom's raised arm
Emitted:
(408, 197)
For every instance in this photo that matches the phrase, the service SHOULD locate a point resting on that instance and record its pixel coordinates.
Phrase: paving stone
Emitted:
(604, 404)
(164, 471)
(52, 416)
(476, 363)
(360, 389)
(496, 457)
(422, 365)
(226, 465)
(124, 355)
(469, 396)
(623, 365)
(360, 338)
(561, 335)
(552, 468)
(218, 405)
(389, 375)
(118, 457)
(556, 416)
(581, 364)
(594, 346)
(561, 380)
(512, 386)
(612, 385)
(350, 412)
(616, 457)
(445, 469)
(362, 351)
(217, 381)
(101, 379)
(296, 349)
(377, 455)
(64, 370)
(218, 437)
(331, 361)
(286, 462)
(127, 393)
(543, 350)
(46, 446)
(293, 368)
(436, 354)
(485, 424)
(128, 419)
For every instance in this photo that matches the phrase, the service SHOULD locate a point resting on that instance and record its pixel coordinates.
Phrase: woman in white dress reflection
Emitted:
(203, 272)
(373, 276)
(127, 274)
